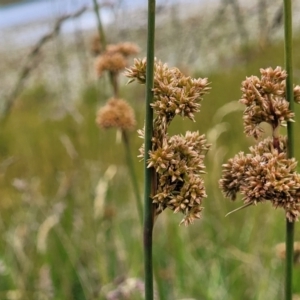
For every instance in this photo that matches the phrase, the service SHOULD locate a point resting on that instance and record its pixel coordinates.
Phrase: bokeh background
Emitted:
(69, 225)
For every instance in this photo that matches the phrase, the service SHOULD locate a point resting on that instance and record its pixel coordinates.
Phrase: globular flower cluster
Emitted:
(179, 164)
(115, 58)
(266, 173)
(174, 93)
(116, 113)
(265, 101)
(177, 160)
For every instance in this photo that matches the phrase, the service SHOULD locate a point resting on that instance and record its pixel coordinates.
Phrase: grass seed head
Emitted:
(116, 113)
(125, 48)
(174, 93)
(265, 101)
(179, 164)
(114, 59)
(264, 174)
(113, 62)
(177, 160)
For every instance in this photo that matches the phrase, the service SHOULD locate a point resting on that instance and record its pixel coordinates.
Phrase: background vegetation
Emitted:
(69, 226)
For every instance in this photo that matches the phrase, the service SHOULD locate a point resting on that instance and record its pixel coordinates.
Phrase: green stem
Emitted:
(113, 77)
(148, 213)
(100, 27)
(290, 133)
(133, 175)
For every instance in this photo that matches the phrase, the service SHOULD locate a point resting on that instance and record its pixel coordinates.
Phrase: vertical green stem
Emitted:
(290, 132)
(133, 175)
(113, 77)
(100, 27)
(148, 212)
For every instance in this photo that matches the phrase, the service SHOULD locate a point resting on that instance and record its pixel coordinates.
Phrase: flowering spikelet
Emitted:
(116, 113)
(114, 62)
(125, 48)
(174, 93)
(177, 160)
(114, 59)
(179, 164)
(264, 174)
(265, 101)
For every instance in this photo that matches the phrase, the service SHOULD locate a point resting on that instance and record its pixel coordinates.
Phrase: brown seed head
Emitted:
(113, 62)
(114, 59)
(177, 160)
(265, 101)
(264, 174)
(179, 164)
(116, 113)
(174, 93)
(125, 48)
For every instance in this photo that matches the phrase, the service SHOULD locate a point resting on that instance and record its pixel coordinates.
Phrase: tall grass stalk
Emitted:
(149, 172)
(100, 26)
(112, 76)
(290, 132)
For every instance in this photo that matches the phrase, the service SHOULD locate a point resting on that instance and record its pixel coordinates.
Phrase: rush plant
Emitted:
(175, 162)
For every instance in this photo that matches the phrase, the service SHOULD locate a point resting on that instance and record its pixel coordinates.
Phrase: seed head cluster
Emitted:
(177, 160)
(266, 173)
(174, 93)
(265, 100)
(179, 164)
(115, 57)
(116, 113)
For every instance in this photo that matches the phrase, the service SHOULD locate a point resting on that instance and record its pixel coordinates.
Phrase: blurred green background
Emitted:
(69, 225)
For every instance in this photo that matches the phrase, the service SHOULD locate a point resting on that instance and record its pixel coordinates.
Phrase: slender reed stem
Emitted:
(114, 83)
(113, 77)
(133, 175)
(148, 212)
(290, 133)
(100, 27)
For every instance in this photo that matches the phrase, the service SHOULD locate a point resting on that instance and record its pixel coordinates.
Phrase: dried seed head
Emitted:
(179, 164)
(114, 59)
(114, 62)
(137, 71)
(125, 48)
(265, 101)
(264, 174)
(177, 160)
(174, 93)
(116, 113)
